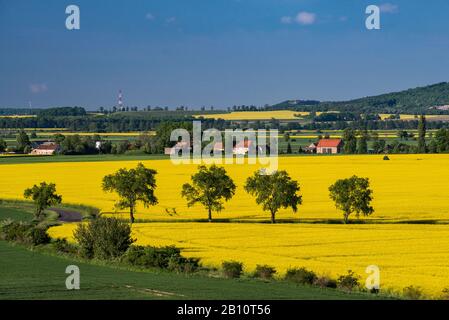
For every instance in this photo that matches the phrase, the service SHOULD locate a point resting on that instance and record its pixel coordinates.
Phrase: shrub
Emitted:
(62, 246)
(182, 264)
(103, 238)
(232, 269)
(264, 271)
(386, 158)
(14, 231)
(22, 232)
(325, 282)
(300, 275)
(445, 294)
(412, 293)
(164, 257)
(348, 281)
(37, 236)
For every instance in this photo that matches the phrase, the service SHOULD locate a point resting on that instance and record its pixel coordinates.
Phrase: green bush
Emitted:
(348, 281)
(22, 232)
(300, 275)
(37, 236)
(103, 238)
(62, 246)
(163, 257)
(232, 269)
(412, 293)
(264, 272)
(325, 282)
(14, 231)
(445, 294)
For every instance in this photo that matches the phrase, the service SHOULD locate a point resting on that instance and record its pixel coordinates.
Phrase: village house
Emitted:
(329, 146)
(176, 148)
(242, 147)
(311, 148)
(45, 149)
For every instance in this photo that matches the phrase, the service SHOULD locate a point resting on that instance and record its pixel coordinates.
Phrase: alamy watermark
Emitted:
(213, 146)
(72, 282)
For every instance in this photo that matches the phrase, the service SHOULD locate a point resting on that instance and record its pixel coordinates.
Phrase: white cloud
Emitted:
(149, 16)
(170, 20)
(305, 18)
(389, 8)
(38, 87)
(286, 20)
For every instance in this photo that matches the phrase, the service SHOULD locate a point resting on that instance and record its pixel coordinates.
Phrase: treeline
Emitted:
(62, 111)
(16, 111)
(417, 100)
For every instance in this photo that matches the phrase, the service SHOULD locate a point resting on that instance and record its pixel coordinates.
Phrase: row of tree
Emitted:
(212, 186)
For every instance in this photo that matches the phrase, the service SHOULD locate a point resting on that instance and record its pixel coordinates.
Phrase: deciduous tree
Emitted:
(274, 191)
(209, 187)
(132, 186)
(44, 195)
(352, 195)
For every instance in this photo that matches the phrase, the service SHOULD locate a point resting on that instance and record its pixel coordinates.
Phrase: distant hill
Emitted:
(417, 100)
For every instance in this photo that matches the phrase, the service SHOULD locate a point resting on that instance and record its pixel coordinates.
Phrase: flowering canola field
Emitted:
(256, 115)
(408, 187)
(407, 255)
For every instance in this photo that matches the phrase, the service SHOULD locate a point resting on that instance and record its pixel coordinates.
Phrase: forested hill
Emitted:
(417, 100)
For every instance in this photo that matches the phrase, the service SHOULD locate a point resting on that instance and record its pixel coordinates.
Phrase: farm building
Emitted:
(311, 148)
(242, 147)
(329, 146)
(45, 149)
(182, 145)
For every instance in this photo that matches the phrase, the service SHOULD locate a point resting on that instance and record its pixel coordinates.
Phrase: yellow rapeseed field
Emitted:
(406, 187)
(407, 255)
(256, 115)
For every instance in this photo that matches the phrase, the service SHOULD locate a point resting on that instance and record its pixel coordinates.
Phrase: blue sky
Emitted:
(216, 52)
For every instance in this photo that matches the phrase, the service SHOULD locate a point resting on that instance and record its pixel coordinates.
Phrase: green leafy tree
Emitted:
(132, 186)
(209, 187)
(23, 141)
(274, 191)
(352, 195)
(289, 148)
(422, 135)
(3, 145)
(362, 143)
(350, 140)
(44, 196)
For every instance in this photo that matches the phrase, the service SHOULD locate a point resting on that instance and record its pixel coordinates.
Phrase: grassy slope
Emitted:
(7, 212)
(33, 275)
(26, 274)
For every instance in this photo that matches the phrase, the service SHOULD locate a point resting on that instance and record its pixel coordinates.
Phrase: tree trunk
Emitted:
(131, 214)
(210, 215)
(346, 217)
(273, 217)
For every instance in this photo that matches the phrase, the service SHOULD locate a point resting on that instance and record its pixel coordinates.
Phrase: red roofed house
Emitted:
(329, 146)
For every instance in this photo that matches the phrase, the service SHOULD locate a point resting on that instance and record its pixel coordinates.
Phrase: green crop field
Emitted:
(37, 274)
(33, 275)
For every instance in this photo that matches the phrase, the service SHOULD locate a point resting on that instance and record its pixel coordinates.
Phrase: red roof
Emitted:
(329, 143)
(48, 146)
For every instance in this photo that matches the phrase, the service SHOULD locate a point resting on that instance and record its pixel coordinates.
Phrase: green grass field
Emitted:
(38, 274)
(34, 275)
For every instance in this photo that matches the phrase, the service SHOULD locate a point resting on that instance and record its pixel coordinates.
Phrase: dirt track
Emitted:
(67, 215)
